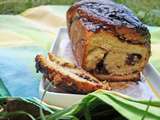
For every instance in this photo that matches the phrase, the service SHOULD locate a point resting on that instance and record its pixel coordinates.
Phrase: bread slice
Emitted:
(108, 40)
(66, 75)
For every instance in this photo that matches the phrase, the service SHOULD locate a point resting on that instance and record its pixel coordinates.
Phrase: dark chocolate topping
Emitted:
(111, 13)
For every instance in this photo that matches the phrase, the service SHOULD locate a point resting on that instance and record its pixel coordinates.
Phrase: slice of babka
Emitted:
(67, 76)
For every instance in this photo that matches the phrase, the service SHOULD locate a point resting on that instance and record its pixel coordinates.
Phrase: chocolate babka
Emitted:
(66, 76)
(108, 40)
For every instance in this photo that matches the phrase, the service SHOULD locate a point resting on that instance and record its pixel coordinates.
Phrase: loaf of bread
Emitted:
(66, 76)
(108, 40)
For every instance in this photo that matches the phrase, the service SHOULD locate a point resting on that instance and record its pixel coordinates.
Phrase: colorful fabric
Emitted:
(23, 36)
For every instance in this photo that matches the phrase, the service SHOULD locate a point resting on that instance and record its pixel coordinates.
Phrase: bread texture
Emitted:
(67, 76)
(108, 40)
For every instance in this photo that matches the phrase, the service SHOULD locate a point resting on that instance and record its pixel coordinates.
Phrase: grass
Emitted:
(147, 10)
(18, 6)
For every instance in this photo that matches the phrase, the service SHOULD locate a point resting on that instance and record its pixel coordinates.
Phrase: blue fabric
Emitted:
(18, 72)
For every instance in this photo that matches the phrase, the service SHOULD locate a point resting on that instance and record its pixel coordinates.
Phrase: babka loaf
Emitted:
(108, 40)
(67, 76)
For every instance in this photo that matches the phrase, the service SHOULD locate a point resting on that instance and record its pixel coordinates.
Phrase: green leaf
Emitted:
(3, 90)
(146, 110)
(42, 116)
(104, 104)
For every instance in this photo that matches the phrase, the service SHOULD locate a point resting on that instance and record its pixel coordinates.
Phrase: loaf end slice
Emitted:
(66, 75)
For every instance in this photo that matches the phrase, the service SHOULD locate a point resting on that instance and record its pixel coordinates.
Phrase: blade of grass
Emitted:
(42, 116)
(146, 109)
(45, 91)
(68, 118)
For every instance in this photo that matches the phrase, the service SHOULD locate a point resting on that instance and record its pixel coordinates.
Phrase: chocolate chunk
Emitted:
(132, 59)
(86, 77)
(100, 68)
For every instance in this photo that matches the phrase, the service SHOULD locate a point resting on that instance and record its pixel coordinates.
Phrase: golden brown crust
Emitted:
(120, 78)
(66, 76)
(97, 15)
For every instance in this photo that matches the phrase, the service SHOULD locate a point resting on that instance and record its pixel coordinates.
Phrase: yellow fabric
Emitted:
(19, 39)
(45, 15)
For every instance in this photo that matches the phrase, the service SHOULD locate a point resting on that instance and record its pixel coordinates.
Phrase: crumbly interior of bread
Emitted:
(117, 57)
